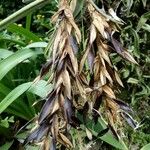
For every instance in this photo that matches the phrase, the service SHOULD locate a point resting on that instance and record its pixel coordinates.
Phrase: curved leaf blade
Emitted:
(28, 35)
(146, 147)
(4, 53)
(37, 45)
(10, 62)
(13, 95)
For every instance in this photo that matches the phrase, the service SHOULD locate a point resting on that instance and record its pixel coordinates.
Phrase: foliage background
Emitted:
(135, 35)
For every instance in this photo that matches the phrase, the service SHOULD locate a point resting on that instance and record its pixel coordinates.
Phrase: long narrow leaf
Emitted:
(28, 35)
(4, 53)
(10, 62)
(13, 95)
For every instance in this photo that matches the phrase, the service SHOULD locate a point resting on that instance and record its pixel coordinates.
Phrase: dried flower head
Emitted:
(73, 90)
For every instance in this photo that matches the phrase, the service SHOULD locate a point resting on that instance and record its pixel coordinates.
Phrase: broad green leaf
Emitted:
(13, 95)
(3, 89)
(41, 88)
(14, 28)
(6, 146)
(18, 108)
(4, 53)
(10, 62)
(146, 147)
(108, 137)
(37, 44)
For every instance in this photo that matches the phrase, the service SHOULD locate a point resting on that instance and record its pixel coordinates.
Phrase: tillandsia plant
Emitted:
(80, 85)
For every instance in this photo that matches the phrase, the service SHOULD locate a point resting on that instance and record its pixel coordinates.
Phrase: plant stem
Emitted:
(22, 12)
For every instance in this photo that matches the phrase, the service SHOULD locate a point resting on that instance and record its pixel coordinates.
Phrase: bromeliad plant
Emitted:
(80, 86)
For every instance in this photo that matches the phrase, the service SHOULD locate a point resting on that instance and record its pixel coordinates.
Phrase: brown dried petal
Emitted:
(64, 140)
(91, 60)
(56, 43)
(68, 109)
(73, 44)
(127, 56)
(45, 68)
(129, 119)
(66, 83)
(73, 59)
(49, 107)
(118, 79)
(123, 105)
(92, 34)
(109, 91)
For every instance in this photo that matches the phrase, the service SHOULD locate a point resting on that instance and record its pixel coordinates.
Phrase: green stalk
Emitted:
(22, 12)
(28, 21)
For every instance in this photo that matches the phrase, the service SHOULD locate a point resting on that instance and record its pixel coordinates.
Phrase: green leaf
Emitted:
(108, 137)
(4, 123)
(10, 62)
(146, 147)
(13, 95)
(18, 108)
(4, 53)
(11, 119)
(6, 39)
(28, 21)
(136, 42)
(41, 88)
(6, 146)
(133, 80)
(143, 20)
(37, 44)
(14, 28)
(146, 27)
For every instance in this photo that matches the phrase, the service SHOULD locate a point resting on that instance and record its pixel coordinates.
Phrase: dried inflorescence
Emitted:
(73, 90)
(104, 77)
